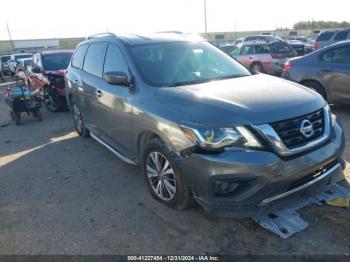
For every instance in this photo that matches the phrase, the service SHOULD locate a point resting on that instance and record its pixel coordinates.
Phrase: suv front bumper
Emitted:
(262, 176)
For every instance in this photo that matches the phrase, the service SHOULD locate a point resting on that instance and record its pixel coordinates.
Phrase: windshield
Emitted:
(4, 59)
(54, 62)
(22, 56)
(182, 63)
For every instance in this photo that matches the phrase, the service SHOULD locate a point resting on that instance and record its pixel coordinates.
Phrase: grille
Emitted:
(289, 130)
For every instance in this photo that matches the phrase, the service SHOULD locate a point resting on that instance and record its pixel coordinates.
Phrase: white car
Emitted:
(13, 62)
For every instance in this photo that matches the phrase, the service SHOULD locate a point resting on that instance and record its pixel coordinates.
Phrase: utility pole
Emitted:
(205, 16)
(8, 30)
(312, 26)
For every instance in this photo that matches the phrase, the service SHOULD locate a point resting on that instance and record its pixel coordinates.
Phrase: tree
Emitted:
(307, 25)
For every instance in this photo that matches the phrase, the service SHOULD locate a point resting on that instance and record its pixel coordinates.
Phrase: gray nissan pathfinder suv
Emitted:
(201, 126)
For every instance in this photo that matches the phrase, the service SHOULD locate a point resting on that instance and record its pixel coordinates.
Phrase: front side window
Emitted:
(247, 50)
(55, 62)
(94, 59)
(115, 61)
(183, 63)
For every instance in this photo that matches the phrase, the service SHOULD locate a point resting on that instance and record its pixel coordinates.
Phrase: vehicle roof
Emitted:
(21, 54)
(25, 59)
(133, 39)
(61, 51)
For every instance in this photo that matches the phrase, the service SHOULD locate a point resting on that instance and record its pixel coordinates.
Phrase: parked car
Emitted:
(200, 125)
(48, 74)
(330, 37)
(13, 62)
(326, 71)
(300, 47)
(228, 48)
(3, 64)
(22, 68)
(262, 38)
(263, 57)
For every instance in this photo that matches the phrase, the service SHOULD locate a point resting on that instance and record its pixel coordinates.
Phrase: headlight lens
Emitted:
(219, 138)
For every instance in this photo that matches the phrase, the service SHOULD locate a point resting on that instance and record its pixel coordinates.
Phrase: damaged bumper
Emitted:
(260, 180)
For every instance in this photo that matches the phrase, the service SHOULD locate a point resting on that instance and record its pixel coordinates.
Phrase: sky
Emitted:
(36, 19)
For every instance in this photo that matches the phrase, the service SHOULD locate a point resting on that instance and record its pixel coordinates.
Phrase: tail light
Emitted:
(287, 66)
(315, 46)
(9, 91)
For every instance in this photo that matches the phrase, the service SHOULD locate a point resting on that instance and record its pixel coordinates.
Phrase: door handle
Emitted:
(250, 57)
(99, 93)
(326, 69)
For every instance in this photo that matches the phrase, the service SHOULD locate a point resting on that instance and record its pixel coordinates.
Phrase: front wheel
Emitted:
(163, 177)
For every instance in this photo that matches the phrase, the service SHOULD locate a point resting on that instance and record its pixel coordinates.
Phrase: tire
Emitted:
(12, 115)
(17, 118)
(39, 115)
(256, 67)
(173, 191)
(52, 100)
(316, 87)
(78, 120)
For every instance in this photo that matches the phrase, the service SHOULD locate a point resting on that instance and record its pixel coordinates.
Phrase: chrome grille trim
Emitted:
(277, 144)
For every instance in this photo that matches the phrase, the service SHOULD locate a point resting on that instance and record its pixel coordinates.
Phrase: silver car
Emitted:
(201, 126)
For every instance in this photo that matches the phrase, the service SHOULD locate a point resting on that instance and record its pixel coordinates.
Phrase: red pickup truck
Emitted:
(48, 74)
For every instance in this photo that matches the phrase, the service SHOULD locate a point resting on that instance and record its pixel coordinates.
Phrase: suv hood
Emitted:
(258, 99)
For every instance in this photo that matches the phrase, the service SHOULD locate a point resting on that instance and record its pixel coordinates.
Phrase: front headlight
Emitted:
(220, 138)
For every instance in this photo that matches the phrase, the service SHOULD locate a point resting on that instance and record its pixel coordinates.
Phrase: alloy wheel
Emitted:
(161, 176)
(50, 102)
(78, 121)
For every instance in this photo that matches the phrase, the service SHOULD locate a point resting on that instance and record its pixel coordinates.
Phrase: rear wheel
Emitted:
(17, 117)
(316, 87)
(12, 115)
(256, 68)
(164, 179)
(78, 120)
(38, 115)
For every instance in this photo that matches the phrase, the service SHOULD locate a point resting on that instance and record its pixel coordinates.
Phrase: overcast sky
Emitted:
(70, 18)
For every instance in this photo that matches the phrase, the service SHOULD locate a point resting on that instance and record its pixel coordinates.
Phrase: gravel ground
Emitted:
(62, 194)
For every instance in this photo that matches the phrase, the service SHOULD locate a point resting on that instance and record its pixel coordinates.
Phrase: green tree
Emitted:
(306, 25)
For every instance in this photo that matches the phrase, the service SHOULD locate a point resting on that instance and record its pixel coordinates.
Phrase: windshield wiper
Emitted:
(204, 80)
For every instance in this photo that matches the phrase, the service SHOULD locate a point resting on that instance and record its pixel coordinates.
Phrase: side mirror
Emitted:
(116, 78)
(36, 70)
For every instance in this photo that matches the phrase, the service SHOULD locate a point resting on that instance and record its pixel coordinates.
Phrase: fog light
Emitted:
(222, 188)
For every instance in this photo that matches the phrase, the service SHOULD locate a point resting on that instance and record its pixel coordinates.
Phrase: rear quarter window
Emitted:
(325, 36)
(78, 56)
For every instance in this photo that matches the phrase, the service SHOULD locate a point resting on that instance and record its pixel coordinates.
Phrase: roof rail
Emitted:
(101, 35)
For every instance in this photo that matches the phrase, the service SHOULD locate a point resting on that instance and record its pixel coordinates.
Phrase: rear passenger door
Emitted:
(334, 70)
(115, 102)
(92, 82)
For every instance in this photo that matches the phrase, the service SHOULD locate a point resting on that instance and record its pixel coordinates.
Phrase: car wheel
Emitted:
(38, 115)
(256, 68)
(50, 100)
(17, 118)
(78, 120)
(164, 179)
(316, 87)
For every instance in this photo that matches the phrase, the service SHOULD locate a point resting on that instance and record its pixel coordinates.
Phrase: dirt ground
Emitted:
(62, 194)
